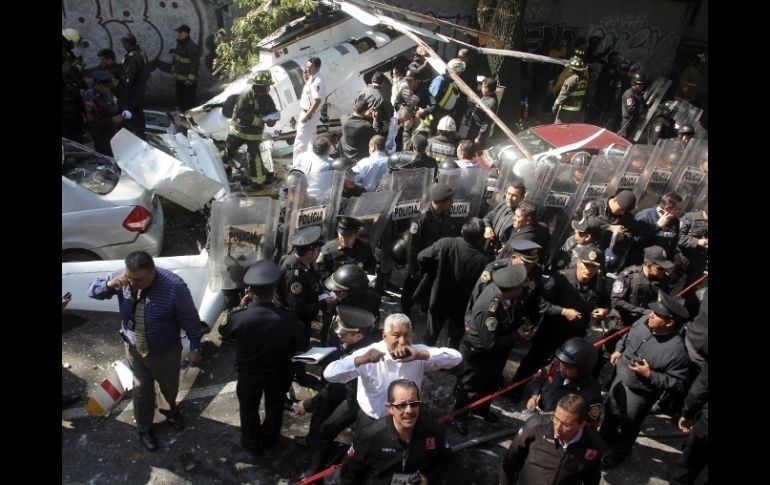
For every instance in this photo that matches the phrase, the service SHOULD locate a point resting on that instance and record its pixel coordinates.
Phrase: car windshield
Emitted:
(536, 145)
(91, 170)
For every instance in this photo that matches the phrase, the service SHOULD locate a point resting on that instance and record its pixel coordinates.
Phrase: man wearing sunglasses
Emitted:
(400, 447)
(555, 448)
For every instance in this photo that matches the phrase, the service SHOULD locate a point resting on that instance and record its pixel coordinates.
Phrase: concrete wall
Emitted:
(644, 31)
(102, 23)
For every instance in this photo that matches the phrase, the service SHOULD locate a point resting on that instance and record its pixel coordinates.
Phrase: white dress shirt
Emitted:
(374, 379)
(370, 170)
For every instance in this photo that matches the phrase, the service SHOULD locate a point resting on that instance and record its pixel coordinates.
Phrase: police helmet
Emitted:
(293, 178)
(577, 64)
(71, 35)
(686, 130)
(350, 278)
(638, 78)
(447, 123)
(399, 160)
(342, 163)
(576, 351)
(456, 65)
(448, 164)
(262, 77)
(669, 107)
(582, 159)
(398, 252)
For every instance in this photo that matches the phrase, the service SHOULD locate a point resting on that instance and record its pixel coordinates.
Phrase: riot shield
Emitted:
(414, 187)
(314, 202)
(654, 182)
(513, 167)
(653, 96)
(637, 158)
(468, 184)
(687, 114)
(374, 209)
(556, 197)
(601, 180)
(692, 172)
(243, 231)
(701, 199)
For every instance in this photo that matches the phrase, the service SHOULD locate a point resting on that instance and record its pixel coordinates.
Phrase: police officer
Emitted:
(576, 360)
(103, 117)
(427, 227)
(650, 359)
(499, 221)
(299, 287)
(616, 220)
(557, 449)
(347, 249)
(443, 145)
(685, 133)
(456, 264)
(587, 231)
(107, 63)
(489, 337)
(695, 422)
(479, 123)
(632, 106)
(335, 406)
(694, 243)
(350, 285)
(267, 337)
(571, 299)
(422, 159)
(663, 125)
(526, 227)
(568, 105)
(249, 114)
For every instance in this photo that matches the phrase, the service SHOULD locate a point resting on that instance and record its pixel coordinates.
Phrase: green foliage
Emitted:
(237, 50)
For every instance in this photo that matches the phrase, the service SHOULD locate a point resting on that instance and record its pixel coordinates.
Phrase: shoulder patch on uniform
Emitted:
(591, 454)
(549, 283)
(657, 128)
(320, 259)
(296, 288)
(360, 265)
(630, 101)
(618, 287)
(486, 276)
(491, 323)
(595, 411)
(414, 228)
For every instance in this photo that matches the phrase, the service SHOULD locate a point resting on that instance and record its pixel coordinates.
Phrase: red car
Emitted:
(566, 140)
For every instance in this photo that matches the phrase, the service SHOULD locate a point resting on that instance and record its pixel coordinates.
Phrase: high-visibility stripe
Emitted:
(183, 60)
(570, 108)
(111, 390)
(246, 136)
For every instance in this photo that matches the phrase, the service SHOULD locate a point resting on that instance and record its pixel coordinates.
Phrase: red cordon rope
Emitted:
(451, 415)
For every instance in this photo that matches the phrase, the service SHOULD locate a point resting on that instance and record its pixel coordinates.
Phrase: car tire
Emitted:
(77, 255)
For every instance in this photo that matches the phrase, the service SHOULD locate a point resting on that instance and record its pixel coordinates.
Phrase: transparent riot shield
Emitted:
(654, 182)
(313, 202)
(413, 186)
(243, 231)
(637, 157)
(653, 96)
(692, 172)
(700, 201)
(687, 114)
(556, 199)
(468, 184)
(513, 167)
(374, 209)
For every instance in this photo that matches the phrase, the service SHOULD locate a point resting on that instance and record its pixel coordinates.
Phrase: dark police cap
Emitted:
(510, 276)
(410, 75)
(352, 319)
(306, 236)
(101, 76)
(262, 273)
(348, 223)
(130, 38)
(183, 28)
(626, 199)
(420, 142)
(441, 192)
(668, 306)
(590, 254)
(590, 225)
(528, 251)
(657, 255)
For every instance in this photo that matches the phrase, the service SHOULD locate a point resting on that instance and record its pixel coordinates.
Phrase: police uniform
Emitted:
(267, 337)
(567, 255)
(456, 265)
(631, 107)
(536, 458)
(632, 291)
(335, 407)
(333, 254)
(631, 396)
(563, 290)
(692, 227)
(489, 338)
(695, 455)
(600, 209)
(552, 388)
(427, 228)
(479, 123)
(661, 128)
(500, 219)
(99, 110)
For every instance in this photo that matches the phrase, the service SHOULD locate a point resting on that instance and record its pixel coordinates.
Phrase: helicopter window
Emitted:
(294, 71)
(363, 44)
(341, 49)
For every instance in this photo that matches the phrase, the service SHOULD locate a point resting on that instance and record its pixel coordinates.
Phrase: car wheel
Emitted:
(76, 255)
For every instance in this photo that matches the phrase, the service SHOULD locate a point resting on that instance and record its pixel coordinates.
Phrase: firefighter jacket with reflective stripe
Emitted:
(186, 57)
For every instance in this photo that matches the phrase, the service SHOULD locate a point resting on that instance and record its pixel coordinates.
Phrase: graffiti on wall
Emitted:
(539, 37)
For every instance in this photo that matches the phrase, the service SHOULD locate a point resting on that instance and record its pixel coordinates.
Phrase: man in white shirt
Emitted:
(313, 94)
(315, 160)
(394, 357)
(369, 170)
(465, 153)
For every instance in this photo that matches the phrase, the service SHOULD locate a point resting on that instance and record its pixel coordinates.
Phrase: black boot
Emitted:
(317, 459)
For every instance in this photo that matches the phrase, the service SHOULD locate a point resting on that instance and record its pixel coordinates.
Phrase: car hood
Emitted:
(192, 179)
(578, 136)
